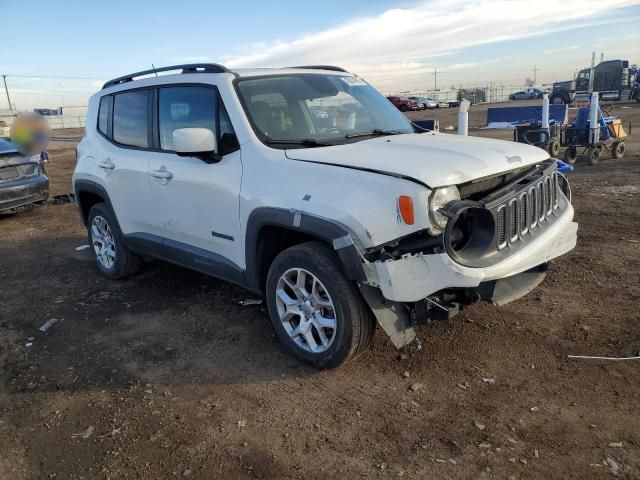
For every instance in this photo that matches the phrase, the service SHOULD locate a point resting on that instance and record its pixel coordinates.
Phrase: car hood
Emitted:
(432, 159)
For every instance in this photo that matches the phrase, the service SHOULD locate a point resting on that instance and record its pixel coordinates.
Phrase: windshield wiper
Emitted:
(305, 141)
(372, 133)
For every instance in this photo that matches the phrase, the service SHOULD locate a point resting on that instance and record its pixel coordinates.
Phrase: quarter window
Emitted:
(103, 114)
(130, 118)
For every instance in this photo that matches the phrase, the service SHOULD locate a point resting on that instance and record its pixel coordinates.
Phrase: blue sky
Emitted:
(395, 45)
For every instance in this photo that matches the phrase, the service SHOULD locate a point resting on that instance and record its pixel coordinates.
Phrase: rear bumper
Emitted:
(415, 277)
(23, 192)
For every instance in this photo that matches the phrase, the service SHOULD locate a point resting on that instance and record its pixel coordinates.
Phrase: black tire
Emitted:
(593, 156)
(570, 155)
(125, 263)
(403, 108)
(557, 99)
(554, 148)
(355, 324)
(618, 149)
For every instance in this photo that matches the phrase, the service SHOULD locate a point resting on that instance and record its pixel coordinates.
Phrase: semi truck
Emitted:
(613, 79)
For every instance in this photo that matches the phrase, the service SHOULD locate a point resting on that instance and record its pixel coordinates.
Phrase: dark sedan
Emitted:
(23, 179)
(527, 95)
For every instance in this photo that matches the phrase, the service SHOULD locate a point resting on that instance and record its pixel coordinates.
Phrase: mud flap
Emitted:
(500, 292)
(393, 317)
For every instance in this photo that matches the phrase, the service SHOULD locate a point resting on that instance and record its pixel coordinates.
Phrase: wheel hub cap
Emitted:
(306, 310)
(103, 243)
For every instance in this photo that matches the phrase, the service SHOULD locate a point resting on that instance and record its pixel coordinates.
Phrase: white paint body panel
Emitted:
(433, 159)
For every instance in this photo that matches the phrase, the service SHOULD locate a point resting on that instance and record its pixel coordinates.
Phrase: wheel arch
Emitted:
(271, 230)
(88, 194)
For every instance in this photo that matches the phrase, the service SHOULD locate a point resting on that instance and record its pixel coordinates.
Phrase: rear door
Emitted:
(122, 158)
(195, 203)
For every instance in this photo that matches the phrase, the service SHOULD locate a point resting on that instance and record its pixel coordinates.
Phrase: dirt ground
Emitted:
(164, 375)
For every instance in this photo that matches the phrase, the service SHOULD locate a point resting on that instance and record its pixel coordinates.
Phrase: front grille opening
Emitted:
(533, 219)
(541, 209)
(500, 227)
(523, 203)
(513, 221)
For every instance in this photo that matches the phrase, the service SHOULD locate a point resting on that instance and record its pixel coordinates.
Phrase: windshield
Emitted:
(317, 110)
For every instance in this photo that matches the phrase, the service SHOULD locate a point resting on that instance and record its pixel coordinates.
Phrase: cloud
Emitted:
(560, 49)
(410, 41)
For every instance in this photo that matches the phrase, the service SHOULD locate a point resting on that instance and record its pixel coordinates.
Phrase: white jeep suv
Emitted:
(307, 186)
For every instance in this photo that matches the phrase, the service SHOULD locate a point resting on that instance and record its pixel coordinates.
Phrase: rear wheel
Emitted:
(318, 314)
(403, 108)
(618, 149)
(554, 148)
(593, 156)
(113, 258)
(557, 99)
(570, 155)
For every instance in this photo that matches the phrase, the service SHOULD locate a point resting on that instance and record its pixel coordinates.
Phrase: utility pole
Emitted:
(4, 79)
(535, 74)
(435, 79)
(601, 57)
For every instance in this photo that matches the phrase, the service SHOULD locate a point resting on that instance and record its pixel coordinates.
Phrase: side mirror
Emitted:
(196, 142)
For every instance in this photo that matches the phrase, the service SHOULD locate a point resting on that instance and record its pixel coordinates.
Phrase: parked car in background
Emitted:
(404, 104)
(23, 178)
(442, 104)
(5, 130)
(424, 102)
(527, 94)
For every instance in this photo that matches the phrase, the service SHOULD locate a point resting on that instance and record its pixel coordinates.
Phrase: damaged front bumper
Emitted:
(410, 290)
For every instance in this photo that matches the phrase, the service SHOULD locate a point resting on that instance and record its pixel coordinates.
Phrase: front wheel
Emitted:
(570, 155)
(618, 149)
(403, 108)
(318, 314)
(593, 155)
(554, 148)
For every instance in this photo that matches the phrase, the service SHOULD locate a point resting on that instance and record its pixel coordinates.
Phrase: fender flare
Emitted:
(334, 233)
(91, 187)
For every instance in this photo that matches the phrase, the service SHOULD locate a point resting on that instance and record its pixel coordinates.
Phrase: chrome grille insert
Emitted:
(520, 216)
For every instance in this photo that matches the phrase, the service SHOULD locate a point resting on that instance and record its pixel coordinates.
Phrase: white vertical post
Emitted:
(593, 118)
(463, 118)
(545, 116)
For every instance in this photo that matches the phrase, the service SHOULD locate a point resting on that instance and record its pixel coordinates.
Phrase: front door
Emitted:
(195, 203)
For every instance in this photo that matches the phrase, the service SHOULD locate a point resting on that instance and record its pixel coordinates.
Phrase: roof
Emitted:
(221, 69)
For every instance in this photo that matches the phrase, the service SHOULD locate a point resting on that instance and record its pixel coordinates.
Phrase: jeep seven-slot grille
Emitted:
(521, 215)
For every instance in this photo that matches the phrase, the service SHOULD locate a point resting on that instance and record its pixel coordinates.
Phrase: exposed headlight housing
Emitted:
(438, 199)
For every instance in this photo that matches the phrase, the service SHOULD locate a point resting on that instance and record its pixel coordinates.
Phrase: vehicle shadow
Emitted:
(166, 325)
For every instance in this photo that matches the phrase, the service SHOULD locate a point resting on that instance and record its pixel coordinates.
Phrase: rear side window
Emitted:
(103, 114)
(185, 107)
(130, 119)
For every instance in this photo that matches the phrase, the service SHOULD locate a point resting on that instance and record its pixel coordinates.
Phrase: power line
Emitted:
(54, 76)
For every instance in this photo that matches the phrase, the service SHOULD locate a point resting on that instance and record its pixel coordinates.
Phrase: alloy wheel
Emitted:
(103, 243)
(306, 310)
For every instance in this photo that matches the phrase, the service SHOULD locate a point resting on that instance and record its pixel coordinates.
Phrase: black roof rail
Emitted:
(187, 68)
(321, 67)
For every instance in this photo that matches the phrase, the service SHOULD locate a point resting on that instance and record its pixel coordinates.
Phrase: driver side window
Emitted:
(193, 107)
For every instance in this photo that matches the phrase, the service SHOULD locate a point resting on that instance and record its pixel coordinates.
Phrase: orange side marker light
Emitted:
(405, 206)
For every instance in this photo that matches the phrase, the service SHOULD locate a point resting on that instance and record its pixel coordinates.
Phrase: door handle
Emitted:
(106, 164)
(163, 174)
